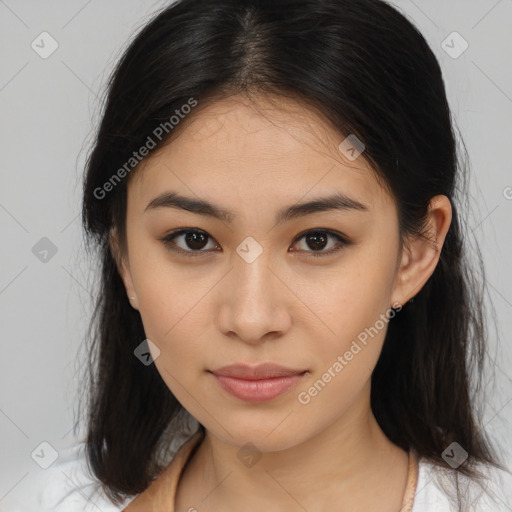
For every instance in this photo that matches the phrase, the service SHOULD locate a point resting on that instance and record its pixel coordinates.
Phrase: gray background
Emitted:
(50, 107)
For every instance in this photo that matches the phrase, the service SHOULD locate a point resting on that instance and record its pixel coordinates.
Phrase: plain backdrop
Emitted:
(50, 108)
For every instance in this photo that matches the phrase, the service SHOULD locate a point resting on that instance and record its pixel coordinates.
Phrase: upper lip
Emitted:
(261, 371)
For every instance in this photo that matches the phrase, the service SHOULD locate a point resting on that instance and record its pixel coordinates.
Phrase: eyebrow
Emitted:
(337, 202)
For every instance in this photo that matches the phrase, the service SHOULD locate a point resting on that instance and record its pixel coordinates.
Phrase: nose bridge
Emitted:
(253, 286)
(253, 277)
(252, 307)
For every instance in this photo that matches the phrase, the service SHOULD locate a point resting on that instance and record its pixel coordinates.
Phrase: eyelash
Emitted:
(168, 242)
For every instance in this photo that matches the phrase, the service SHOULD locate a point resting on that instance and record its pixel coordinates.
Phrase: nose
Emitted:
(253, 302)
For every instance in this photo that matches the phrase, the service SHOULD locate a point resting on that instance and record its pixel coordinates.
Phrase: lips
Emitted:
(257, 383)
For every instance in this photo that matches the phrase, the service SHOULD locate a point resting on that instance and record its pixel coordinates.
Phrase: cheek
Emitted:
(176, 320)
(176, 315)
(345, 360)
(350, 297)
(168, 293)
(355, 312)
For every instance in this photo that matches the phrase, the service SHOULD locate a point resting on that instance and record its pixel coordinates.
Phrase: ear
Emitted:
(123, 267)
(420, 256)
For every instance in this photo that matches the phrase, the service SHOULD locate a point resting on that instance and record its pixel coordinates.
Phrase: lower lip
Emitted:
(258, 390)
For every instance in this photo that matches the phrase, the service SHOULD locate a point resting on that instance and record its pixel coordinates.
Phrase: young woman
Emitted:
(272, 192)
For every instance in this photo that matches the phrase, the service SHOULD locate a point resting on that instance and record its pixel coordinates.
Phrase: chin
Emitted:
(265, 439)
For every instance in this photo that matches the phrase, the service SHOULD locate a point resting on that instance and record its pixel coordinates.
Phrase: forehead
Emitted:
(253, 152)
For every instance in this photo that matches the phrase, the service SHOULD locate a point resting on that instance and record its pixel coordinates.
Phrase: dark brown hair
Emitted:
(369, 72)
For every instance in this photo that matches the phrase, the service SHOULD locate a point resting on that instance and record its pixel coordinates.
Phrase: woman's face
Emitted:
(257, 286)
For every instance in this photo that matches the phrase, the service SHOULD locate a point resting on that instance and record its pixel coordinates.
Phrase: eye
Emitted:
(194, 241)
(318, 239)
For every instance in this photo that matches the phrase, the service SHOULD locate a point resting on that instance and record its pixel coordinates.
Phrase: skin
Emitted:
(287, 307)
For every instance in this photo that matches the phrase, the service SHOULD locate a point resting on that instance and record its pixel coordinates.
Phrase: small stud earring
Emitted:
(133, 298)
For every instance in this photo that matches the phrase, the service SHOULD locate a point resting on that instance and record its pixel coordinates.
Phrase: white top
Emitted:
(67, 486)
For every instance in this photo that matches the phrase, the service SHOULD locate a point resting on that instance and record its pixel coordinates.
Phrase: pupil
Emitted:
(318, 241)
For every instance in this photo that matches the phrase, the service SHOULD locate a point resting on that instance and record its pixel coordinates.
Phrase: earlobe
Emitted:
(421, 254)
